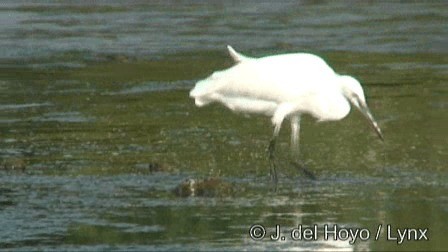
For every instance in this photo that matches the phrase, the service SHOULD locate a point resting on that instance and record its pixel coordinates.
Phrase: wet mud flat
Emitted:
(102, 149)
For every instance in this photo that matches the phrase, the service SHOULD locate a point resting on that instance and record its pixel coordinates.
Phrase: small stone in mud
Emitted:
(209, 187)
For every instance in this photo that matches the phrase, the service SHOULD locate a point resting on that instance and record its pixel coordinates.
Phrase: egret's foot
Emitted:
(301, 167)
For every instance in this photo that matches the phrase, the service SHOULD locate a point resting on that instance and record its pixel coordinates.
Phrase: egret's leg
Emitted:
(295, 137)
(295, 130)
(282, 111)
(271, 150)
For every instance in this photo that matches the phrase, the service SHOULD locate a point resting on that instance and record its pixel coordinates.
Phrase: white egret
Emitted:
(283, 86)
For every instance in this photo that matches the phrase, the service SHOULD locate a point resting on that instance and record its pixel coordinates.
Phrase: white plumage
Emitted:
(283, 86)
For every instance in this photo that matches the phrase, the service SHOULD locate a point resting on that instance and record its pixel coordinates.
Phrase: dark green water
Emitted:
(97, 129)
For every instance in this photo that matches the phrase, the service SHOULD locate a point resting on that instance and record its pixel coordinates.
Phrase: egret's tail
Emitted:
(204, 91)
(195, 92)
(236, 56)
(200, 93)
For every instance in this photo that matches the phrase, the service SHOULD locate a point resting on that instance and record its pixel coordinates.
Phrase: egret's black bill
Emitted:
(366, 112)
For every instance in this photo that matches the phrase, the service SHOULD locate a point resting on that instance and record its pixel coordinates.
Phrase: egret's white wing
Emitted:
(260, 85)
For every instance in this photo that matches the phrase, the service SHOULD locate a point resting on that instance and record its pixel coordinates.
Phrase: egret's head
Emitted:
(352, 90)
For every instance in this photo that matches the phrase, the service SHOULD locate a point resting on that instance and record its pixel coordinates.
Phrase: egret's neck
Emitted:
(351, 89)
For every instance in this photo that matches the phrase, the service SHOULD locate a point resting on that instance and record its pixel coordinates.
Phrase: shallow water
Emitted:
(97, 129)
